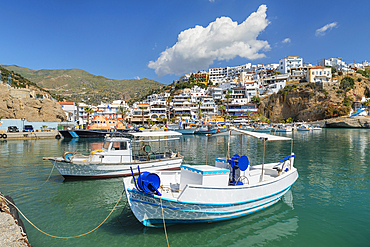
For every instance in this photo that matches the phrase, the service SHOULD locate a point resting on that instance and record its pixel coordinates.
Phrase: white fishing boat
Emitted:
(147, 149)
(202, 193)
(304, 127)
(284, 128)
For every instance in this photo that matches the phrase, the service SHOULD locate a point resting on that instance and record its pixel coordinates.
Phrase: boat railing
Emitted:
(137, 158)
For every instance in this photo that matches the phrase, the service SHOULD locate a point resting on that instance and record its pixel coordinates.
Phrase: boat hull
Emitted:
(186, 131)
(86, 170)
(207, 204)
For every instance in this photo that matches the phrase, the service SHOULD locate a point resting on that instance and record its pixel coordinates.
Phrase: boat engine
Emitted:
(237, 163)
(147, 182)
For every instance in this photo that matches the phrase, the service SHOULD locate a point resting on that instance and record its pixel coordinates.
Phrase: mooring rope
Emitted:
(64, 237)
(164, 224)
(52, 169)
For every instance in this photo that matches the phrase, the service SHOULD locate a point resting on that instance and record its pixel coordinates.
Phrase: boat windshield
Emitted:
(106, 145)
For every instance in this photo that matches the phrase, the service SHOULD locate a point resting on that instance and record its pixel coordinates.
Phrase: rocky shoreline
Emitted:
(12, 231)
(344, 122)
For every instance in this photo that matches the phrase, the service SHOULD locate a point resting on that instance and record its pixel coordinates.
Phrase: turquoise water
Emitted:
(329, 205)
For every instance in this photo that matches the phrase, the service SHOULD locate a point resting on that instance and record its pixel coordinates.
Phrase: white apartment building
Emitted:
(335, 62)
(70, 109)
(182, 106)
(196, 93)
(288, 62)
(110, 110)
(223, 75)
(319, 74)
(215, 93)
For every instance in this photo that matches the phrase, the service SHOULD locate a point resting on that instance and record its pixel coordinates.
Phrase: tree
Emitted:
(347, 83)
(88, 110)
(122, 111)
(199, 103)
(367, 104)
(168, 109)
(142, 108)
(222, 108)
(256, 100)
(228, 97)
(248, 115)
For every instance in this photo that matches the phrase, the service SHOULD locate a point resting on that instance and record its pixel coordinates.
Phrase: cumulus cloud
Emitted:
(287, 40)
(137, 78)
(223, 39)
(327, 27)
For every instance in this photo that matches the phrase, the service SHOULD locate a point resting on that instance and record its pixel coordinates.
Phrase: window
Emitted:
(106, 145)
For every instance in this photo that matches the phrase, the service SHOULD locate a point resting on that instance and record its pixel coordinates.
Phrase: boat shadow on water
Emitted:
(269, 225)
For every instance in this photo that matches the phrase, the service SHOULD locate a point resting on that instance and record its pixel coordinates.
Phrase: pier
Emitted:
(30, 135)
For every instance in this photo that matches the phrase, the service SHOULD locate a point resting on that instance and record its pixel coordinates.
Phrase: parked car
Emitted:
(28, 128)
(13, 129)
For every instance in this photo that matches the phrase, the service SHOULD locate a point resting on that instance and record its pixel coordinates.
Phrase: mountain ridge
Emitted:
(81, 86)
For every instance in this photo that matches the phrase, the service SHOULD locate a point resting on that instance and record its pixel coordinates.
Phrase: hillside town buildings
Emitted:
(235, 88)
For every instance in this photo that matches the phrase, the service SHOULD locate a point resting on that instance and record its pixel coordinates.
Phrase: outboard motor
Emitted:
(147, 182)
(236, 162)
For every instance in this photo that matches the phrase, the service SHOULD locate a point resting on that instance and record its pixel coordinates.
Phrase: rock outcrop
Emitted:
(33, 110)
(309, 102)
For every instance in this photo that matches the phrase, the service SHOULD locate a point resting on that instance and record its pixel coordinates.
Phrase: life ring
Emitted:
(95, 151)
(67, 156)
(147, 148)
(129, 126)
(5, 136)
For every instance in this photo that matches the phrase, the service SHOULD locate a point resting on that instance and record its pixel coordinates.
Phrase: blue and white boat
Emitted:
(206, 129)
(202, 193)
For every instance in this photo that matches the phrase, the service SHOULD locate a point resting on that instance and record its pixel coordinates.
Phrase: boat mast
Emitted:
(263, 158)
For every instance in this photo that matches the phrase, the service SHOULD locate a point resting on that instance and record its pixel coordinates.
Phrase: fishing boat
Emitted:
(284, 128)
(304, 127)
(206, 129)
(98, 127)
(119, 152)
(203, 193)
(263, 128)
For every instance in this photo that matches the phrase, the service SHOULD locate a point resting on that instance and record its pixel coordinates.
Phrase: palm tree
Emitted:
(367, 104)
(222, 108)
(168, 109)
(122, 111)
(199, 103)
(228, 97)
(88, 110)
(142, 108)
(248, 115)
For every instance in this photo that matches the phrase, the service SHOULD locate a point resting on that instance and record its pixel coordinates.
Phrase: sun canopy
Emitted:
(153, 134)
(263, 136)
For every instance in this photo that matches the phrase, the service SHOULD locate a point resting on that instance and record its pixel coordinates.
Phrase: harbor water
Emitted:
(329, 205)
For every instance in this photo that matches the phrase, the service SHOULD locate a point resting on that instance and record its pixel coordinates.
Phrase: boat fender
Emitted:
(67, 156)
(1, 136)
(5, 136)
(95, 151)
(57, 137)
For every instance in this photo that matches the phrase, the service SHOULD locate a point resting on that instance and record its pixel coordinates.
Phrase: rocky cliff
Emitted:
(32, 109)
(308, 102)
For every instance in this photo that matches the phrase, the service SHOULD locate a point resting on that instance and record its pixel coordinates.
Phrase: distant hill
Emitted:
(80, 86)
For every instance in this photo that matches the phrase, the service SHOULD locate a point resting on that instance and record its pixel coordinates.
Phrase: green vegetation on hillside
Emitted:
(80, 86)
(16, 80)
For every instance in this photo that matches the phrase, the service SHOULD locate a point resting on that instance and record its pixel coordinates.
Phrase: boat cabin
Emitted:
(115, 150)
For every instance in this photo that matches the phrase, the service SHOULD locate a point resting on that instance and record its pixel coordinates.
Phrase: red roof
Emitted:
(320, 67)
(66, 103)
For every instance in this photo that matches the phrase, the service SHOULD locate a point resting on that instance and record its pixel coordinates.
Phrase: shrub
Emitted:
(347, 83)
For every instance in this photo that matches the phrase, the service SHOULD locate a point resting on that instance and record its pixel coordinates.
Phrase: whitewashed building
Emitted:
(288, 62)
(319, 74)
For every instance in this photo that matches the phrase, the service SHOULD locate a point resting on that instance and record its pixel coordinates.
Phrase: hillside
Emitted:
(308, 102)
(80, 86)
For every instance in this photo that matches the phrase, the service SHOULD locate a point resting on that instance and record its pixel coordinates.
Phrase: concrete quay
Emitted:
(30, 135)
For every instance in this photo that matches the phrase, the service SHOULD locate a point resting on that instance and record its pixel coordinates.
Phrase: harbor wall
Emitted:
(5, 123)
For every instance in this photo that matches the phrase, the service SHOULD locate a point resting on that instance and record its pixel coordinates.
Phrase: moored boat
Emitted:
(119, 153)
(202, 193)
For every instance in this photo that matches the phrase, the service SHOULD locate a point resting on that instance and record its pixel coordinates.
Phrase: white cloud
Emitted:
(137, 78)
(327, 27)
(222, 39)
(287, 40)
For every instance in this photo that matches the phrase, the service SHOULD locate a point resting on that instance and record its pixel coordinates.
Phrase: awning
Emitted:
(262, 136)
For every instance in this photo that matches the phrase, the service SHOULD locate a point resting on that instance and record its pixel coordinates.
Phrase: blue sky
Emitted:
(162, 40)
